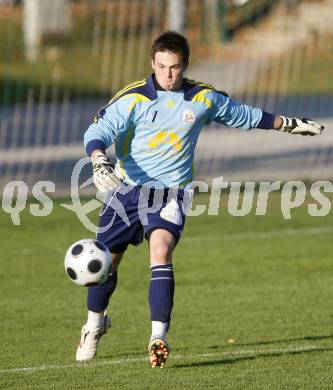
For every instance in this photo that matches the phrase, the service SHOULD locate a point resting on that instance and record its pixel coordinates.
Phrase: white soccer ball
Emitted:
(88, 262)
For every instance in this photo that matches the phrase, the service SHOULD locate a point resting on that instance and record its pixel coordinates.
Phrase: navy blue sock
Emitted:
(98, 296)
(161, 291)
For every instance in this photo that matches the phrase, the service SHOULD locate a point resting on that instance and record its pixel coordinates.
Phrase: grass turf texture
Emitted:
(264, 282)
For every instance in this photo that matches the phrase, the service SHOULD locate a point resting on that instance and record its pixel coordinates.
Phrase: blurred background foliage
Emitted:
(108, 46)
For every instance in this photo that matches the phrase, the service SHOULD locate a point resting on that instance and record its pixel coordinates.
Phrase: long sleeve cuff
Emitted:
(267, 121)
(93, 145)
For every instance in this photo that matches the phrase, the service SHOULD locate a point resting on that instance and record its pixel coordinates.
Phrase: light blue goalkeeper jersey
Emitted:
(155, 131)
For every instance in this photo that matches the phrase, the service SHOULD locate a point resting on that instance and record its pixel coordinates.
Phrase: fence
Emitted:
(282, 63)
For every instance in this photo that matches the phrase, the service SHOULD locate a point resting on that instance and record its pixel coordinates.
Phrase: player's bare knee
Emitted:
(161, 253)
(161, 245)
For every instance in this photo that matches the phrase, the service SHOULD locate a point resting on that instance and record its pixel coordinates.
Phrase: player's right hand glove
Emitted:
(302, 126)
(105, 178)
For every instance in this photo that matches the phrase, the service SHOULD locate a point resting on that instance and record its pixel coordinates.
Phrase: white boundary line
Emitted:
(230, 354)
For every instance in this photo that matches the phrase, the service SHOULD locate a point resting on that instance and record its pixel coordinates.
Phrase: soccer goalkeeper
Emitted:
(154, 124)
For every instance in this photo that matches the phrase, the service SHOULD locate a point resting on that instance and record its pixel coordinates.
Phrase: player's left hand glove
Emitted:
(302, 126)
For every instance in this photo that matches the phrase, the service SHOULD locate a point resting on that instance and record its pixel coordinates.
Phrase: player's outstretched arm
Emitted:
(302, 126)
(105, 178)
(243, 116)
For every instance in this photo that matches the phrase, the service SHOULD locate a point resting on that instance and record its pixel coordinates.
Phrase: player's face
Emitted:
(169, 69)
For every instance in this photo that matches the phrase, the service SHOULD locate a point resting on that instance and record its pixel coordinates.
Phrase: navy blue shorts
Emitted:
(132, 213)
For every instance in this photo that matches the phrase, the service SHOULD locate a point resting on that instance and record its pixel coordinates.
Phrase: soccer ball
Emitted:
(88, 262)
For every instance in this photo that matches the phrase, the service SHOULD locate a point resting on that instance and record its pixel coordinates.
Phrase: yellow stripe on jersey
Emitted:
(138, 98)
(200, 84)
(200, 97)
(122, 173)
(127, 88)
(209, 86)
(127, 142)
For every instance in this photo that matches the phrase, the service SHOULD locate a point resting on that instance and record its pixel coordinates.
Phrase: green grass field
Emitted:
(264, 282)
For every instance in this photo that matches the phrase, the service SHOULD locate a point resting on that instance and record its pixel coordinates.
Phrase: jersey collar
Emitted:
(190, 89)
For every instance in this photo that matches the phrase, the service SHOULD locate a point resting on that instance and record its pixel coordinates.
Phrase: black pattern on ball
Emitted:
(100, 246)
(71, 273)
(95, 266)
(77, 250)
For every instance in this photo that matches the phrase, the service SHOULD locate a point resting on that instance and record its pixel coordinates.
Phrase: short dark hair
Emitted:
(171, 41)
